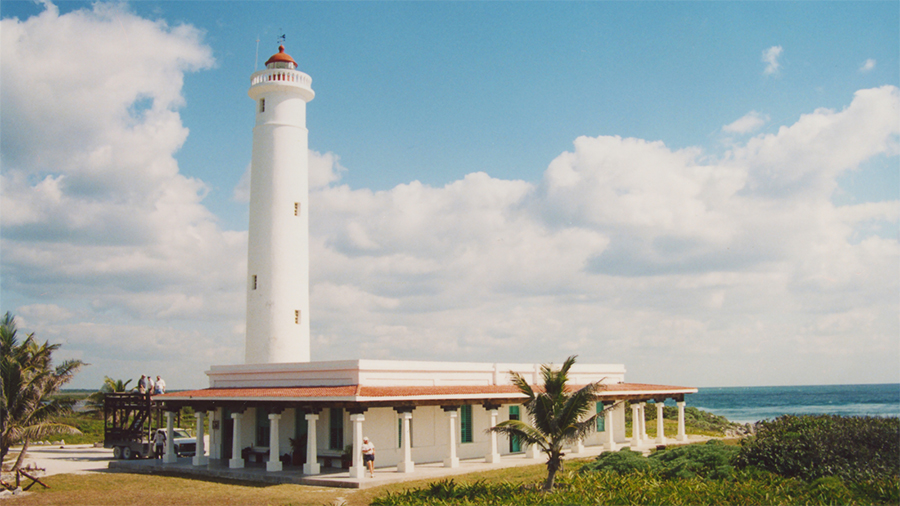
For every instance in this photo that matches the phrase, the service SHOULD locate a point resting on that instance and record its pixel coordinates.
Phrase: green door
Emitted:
(514, 446)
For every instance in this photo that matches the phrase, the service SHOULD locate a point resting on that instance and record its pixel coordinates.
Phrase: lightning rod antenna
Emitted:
(256, 61)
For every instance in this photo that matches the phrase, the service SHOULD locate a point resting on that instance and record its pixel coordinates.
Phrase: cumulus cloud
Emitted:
(626, 250)
(867, 65)
(749, 123)
(95, 212)
(770, 58)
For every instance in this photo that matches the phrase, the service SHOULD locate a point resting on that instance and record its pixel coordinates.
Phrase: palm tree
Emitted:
(29, 380)
(95, 400)
(557, 415)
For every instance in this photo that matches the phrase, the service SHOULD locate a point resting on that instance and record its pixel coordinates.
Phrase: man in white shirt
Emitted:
(368, 451)
(160, 386)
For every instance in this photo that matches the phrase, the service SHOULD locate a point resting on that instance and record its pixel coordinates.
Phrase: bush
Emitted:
(750, 487)
(711, 460)
(623, 461)
(813, 447)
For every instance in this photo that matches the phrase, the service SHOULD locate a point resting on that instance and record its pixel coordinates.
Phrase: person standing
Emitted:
(142, 384)
(368, 451)
(150, 385)
(159, 443)
(160, 386)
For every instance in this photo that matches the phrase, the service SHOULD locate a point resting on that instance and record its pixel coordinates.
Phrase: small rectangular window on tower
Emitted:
(297, 317)
(262, 105)
(254, 281)
(296, 209)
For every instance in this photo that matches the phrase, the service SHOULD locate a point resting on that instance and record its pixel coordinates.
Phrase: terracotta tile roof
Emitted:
(370, 393)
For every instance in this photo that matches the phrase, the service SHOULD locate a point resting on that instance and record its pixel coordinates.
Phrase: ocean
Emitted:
(752, 404)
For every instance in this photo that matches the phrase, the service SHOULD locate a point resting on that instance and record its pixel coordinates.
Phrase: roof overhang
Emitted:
(362, 396)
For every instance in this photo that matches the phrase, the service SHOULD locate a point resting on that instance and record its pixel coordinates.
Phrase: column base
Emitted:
(200, 460)
(451, 462)
(311, 468)
(170, 458)
(682, 437)
(406, 467)
(532, 453)
(235, 463)
(578, 448)
(493, 458)
(611, 446)
(358, 472)
(661, 440)
(273, 467)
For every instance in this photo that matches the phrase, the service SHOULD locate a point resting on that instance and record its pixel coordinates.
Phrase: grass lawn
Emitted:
(114, 489)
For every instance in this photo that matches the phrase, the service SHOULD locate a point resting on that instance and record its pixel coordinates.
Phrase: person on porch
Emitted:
(368, 451)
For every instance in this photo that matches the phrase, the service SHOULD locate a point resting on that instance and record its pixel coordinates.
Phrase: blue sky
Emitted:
(482, 104)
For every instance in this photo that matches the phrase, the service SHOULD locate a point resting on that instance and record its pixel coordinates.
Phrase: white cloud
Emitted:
(625, 251)
(95, 213)
(749, 123)
(770, 58)
(867, 65)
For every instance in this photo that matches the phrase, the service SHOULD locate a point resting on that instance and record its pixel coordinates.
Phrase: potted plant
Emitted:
(347, 457)
(298, 451)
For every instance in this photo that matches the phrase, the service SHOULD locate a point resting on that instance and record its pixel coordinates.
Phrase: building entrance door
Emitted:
(514, 446)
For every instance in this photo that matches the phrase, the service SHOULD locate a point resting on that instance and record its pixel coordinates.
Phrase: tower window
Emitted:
(262, 105)
(296, 209)
(253, 281)
(297, 317)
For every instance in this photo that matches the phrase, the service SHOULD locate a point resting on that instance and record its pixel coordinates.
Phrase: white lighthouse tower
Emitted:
(278, 256)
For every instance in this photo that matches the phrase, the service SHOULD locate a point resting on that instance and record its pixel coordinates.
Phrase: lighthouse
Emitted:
(278, 242)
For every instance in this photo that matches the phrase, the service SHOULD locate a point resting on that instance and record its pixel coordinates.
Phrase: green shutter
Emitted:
(601, 420)
(465, 424)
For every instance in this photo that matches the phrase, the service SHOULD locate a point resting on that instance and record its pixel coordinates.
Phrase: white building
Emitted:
(413, 411)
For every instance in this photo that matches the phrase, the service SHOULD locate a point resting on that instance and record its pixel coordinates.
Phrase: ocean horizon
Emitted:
(753, 404)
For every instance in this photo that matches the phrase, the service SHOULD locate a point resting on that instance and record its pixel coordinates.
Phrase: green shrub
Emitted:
(812, 447)
(711, 460)
(623, 461)
(748, 488)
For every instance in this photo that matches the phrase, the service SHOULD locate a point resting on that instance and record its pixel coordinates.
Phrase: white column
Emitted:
(213, 435)
(274, 463)
(170, 456)
(312, 453)
(407, 465)
(494, 456)
(357, 470)
(644, 436)
(578, 447)
(681, 434)
(660, 425)
(452, 460)
(635, 425)
(609, 429)
(236, 461)
(200, 453)
(532, 452)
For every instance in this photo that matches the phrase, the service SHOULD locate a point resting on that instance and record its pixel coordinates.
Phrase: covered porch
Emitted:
(415, 428)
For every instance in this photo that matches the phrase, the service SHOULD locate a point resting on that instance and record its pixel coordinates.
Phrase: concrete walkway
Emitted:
(333, 477)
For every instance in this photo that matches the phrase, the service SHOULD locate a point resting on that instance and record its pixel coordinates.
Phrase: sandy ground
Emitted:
(75, 459)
